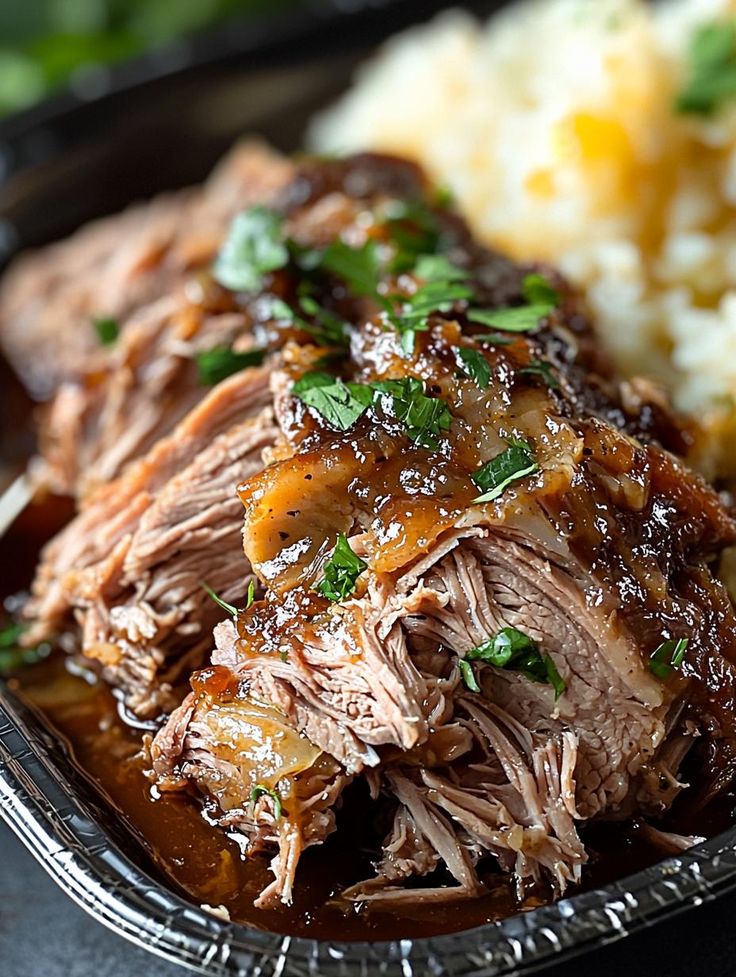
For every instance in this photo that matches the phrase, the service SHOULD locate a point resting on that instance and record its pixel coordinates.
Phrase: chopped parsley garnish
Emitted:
(12, 655)
(537, 290)
(516, 462)
(541, 298)
(358, 267)
(340, 403)
(233, 611)
(438, 268)
(424, 418)
(516, 651)
(474, 365)
(259, 790)
(414, 231)
(493, 338)
(437, 295)
(444, 197)
(467, 675)
(712, 74)
(253, 247)
(107, 329)
(215, 365)
(668, 656)
(341, 572)
(541, 369)
(330, 329)
(519, 318)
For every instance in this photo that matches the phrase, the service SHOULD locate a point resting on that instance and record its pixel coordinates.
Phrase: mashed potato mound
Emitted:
(555, 127)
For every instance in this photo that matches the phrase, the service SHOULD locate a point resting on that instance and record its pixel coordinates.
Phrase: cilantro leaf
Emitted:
(358, 267)
(254, 246)
(493, 338)
(712, 74)
(340, 403)
(668, 656)
(331, 329)
(215, 365)
(12, 655)
(474, 365)
(516, 651)
(107, 329)
(219, 601)
(341, 572)
(414, 230)
(424, 418)
(542, 369)
(537, 290)
(467, 675)
(414, 312)
(519, 318)
(516, 462)
(540, 299)
(259, 790)
(438, 268)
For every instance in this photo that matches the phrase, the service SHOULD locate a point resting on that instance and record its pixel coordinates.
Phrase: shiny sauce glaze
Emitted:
(175, 842)
(321, 484)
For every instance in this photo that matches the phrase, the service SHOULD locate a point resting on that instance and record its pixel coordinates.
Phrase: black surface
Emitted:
(43, 934)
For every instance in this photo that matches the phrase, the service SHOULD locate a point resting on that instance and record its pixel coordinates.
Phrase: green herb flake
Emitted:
(253, 247)
(250, 594)
(543, 370)
(358, 267)
(259, 790)
(330, 329)
(233, 611)
(516, 651)
(467, 675)
(413, 316)
(712, 69)
(341, 572)
(438, 268)
(668, 656)
(537, 290)
(107, 329)
(444, 197)
(281, 311)
(14, 657)
(215, 365)
(424, 418)
(414, 230)
(516, 462)
(493, 338)
(474, 365)
(339, 403)
(520, 318)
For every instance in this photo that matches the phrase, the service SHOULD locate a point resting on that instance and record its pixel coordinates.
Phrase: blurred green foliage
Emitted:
(44, 42)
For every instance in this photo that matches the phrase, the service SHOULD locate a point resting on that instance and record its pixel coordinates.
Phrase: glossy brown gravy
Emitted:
(202, 864)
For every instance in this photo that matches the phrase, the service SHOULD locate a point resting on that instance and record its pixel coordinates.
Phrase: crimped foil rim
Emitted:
(57, 815)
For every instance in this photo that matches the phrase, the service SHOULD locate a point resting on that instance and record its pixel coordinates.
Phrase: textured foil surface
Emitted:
(57, 813)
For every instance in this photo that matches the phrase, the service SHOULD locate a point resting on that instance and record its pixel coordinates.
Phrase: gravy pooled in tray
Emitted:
(477, 583)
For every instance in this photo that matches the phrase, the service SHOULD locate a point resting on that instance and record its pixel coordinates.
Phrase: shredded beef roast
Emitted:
(108, 404)
(477, 573)
(487, 576)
